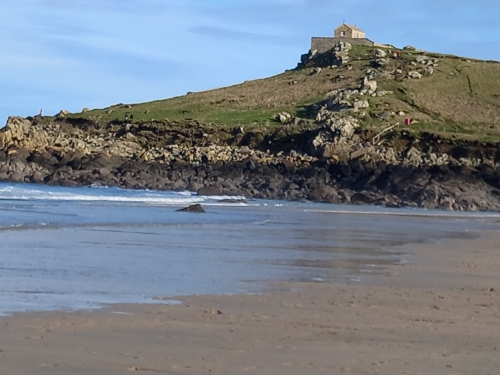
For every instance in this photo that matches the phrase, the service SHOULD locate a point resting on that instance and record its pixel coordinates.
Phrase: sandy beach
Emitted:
(437, 314)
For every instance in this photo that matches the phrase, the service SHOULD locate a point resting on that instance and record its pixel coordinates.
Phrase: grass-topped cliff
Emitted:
(460, 99)
(331, 130)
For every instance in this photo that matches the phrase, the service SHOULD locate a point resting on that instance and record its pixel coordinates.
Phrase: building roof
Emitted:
(354, 28)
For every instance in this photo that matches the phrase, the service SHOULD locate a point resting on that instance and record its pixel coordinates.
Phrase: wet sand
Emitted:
(438, 314)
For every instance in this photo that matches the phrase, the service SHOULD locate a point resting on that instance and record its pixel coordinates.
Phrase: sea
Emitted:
(83, 248)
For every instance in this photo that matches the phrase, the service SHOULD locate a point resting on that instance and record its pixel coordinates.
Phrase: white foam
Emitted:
(11, 226)
(100, 194)
(262, 222)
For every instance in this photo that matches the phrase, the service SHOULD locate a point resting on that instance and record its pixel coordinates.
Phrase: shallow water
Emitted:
(78, 248)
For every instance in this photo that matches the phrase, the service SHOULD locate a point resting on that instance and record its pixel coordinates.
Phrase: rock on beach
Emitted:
(198, 208)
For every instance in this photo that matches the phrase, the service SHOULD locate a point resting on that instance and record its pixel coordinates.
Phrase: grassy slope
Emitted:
(252, 102)
(466, 102)
(461, 99)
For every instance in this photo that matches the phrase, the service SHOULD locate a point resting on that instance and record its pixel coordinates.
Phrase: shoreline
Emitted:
(462, 176)
(448, 187)
(436, 314)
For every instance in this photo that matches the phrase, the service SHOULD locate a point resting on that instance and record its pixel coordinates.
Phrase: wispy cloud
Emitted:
(226, 34)
(76, 53)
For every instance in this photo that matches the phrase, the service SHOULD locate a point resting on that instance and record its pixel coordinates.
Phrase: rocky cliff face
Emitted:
(329, 156)
(336, 162)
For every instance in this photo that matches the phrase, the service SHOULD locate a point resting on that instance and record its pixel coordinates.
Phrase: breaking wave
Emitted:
(117, 195)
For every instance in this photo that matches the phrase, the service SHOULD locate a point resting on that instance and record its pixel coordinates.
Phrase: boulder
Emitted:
(43, 158)
(15, 130)
(422, 59)
(18, 154)
(210, 190)
(362, 198)
(322, 193)
(340, 127)
(62, 113)
(124, 148)
(283, 117)
(362, 152)
(16, 177)
(370, 86)
(38, 177)
(446, 203)
(341, 59)
(381, 62)
(193, 208)
(361, 104)
(410, 48)
(379, 53)
(337, 134)
(414, 75)
(342, 47)
(413, 157)
(384, 93)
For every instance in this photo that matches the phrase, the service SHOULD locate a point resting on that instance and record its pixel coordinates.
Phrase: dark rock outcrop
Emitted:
(197, 208)
(336, 163)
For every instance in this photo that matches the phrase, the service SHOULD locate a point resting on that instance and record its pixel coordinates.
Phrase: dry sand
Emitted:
(439, 314)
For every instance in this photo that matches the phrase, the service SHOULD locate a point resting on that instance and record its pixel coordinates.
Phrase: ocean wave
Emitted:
(11, 226)
(115, 195)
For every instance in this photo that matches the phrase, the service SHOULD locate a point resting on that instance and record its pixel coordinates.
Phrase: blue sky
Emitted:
(94, 53)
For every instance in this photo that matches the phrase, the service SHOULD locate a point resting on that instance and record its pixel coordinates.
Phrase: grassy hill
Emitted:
(461, 99)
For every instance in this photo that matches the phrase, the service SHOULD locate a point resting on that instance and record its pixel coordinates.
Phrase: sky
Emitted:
(71, 54)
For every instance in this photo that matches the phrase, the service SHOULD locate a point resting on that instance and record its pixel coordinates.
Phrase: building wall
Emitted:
(358, 34)
(323, 45)
(349, 33)
(343, 29)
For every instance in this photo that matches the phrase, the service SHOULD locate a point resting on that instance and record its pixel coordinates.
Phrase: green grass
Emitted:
(250, 103)
(461, 99)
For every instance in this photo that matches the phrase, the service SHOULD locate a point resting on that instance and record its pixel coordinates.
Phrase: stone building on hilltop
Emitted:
(348, 31)
(343, 33)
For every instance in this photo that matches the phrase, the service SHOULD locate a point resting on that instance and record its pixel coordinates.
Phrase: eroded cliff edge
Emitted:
(401, 172)
(348, 146)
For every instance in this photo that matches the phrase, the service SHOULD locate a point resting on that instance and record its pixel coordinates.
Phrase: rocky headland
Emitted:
(328, 152)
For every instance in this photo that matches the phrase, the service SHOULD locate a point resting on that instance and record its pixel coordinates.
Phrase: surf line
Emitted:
(417, 214)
